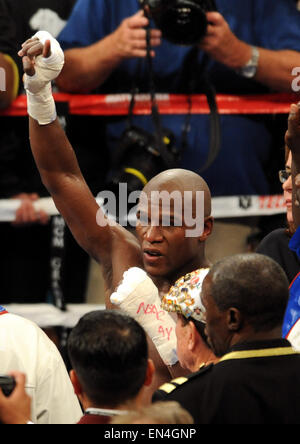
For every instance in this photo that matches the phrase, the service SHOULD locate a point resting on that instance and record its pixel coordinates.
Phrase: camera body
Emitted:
(7, 384)
(137, 159)
(182, 22)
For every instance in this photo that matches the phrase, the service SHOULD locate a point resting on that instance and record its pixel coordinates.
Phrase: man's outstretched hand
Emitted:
(31, 49)
(27, 214)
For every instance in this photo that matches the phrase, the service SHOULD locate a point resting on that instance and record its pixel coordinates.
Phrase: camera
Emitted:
(138, 159)
(182, 22)
(7, 384)
(141, 155)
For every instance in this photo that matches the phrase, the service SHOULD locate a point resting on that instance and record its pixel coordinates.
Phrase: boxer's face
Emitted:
(166, 248)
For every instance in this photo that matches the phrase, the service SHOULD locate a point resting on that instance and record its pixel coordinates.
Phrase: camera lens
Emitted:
(182, 22)
(139, 160)
(184, 25)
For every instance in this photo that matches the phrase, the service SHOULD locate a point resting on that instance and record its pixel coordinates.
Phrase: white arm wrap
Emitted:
(40, 102)
(139, 297)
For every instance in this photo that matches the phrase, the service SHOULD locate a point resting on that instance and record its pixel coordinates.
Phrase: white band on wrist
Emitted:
(41, 107)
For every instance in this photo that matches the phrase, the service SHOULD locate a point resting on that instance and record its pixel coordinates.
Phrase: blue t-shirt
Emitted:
(246, 140)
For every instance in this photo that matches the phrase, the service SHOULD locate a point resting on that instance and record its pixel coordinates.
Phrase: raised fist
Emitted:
(43, 60)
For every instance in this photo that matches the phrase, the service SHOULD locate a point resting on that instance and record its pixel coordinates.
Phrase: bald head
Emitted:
(173, 223)
(254, 284)
(182, 181)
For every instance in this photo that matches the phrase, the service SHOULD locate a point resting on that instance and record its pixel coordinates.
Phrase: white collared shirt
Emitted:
(26, 348)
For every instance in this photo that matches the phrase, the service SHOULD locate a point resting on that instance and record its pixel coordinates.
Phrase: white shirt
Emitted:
(26, 348)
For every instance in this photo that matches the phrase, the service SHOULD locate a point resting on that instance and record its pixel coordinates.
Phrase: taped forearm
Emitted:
(139, 297)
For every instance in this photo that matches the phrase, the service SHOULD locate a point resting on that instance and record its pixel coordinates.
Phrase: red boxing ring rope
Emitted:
(118, 104)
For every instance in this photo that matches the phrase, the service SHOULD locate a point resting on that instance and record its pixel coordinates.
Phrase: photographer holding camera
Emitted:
(104, 52)
(248, 47)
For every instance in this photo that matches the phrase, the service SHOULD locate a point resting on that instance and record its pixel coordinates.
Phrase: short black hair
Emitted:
(254, 284)
(200, 327)
(109, 352)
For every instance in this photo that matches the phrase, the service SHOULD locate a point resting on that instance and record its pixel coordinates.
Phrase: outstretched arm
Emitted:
(60, 171)
(61, 175)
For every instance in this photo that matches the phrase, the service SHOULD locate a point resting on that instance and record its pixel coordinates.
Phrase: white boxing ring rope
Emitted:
(222, 207)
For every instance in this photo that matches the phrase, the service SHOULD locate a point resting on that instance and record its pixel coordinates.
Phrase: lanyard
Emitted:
(263, 353)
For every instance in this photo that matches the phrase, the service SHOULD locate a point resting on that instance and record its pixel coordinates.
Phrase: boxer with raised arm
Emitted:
(164, 252)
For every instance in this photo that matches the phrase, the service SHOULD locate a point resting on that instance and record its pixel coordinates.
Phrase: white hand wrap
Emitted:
(40, 102)
(139, 297)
